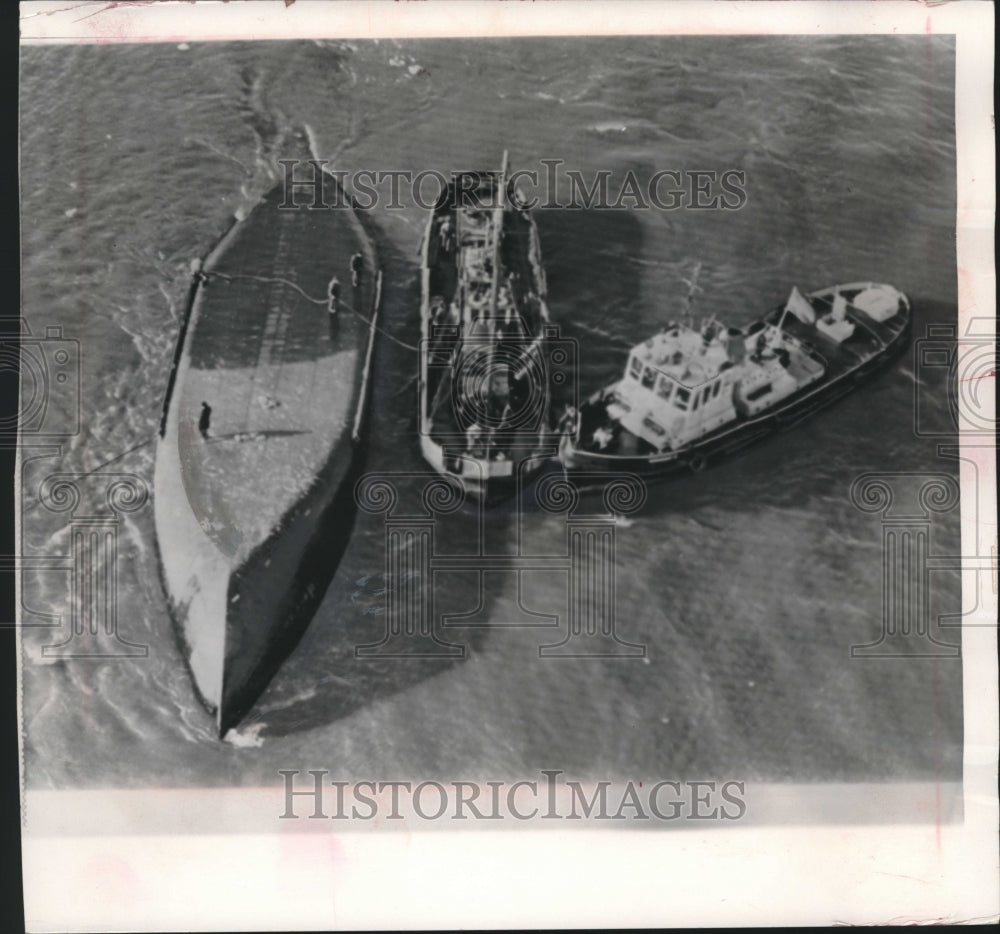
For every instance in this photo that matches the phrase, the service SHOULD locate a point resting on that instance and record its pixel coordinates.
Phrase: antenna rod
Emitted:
(693, 288)
(495, 279)
(497, 232)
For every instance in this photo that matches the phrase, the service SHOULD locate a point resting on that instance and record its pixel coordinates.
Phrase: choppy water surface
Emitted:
(748, 583)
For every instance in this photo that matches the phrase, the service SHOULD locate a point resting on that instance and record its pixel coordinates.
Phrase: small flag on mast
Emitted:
(799, 306)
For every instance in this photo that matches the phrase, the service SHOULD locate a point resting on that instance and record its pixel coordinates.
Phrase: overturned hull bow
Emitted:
(254, 497)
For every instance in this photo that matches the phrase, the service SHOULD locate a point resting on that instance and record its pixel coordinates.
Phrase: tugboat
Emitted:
(262, 439)
(483, 385)
(690, 395)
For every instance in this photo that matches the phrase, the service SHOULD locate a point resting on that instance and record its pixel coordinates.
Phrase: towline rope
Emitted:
(80, 476)
(316, 301)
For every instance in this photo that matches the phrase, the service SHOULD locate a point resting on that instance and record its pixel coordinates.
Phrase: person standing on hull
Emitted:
(446, 236)
(357, 268)
(333, 297)
(204, 420)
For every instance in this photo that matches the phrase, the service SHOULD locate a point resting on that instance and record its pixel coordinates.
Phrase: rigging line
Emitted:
(94, 470)
(232, 276)
(407, 385)
(385, 334)
(315, 301)
(141, 444)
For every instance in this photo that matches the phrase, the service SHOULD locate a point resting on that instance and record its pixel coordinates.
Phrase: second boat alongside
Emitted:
(483, 381)
(688, 395)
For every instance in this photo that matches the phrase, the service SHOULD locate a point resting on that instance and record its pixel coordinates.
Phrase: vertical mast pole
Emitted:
(495, 279)
(497, 234)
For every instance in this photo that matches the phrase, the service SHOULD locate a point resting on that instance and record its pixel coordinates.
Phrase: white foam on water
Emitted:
(247, 738)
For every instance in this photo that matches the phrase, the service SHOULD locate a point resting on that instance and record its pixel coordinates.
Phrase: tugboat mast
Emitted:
(497, 233)
(693, 288)
(495, 283)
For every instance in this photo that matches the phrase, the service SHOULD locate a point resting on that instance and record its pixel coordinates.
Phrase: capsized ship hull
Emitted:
(840, 365)
(253, 510)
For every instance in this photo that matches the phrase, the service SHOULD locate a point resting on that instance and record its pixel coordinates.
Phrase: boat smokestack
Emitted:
(736, 346)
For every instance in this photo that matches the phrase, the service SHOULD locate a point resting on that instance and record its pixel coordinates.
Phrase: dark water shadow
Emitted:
(592, 268)
(592, 262)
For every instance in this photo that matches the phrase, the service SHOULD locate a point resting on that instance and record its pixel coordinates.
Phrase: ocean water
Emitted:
(747, 584)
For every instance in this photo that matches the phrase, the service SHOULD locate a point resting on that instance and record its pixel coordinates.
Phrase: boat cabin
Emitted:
(677, 385)
(682, 384)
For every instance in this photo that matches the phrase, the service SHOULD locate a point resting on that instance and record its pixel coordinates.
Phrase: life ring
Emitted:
(696, 463)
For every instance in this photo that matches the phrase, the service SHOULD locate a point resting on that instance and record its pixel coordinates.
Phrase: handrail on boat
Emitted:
(366, 371)
(192, 296)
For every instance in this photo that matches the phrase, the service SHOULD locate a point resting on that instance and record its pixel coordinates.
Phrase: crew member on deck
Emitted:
(198, 271)
(602, 438)
(357, 267)
(204, 419)
(445, 235)
(473, 440)
(333, 296)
